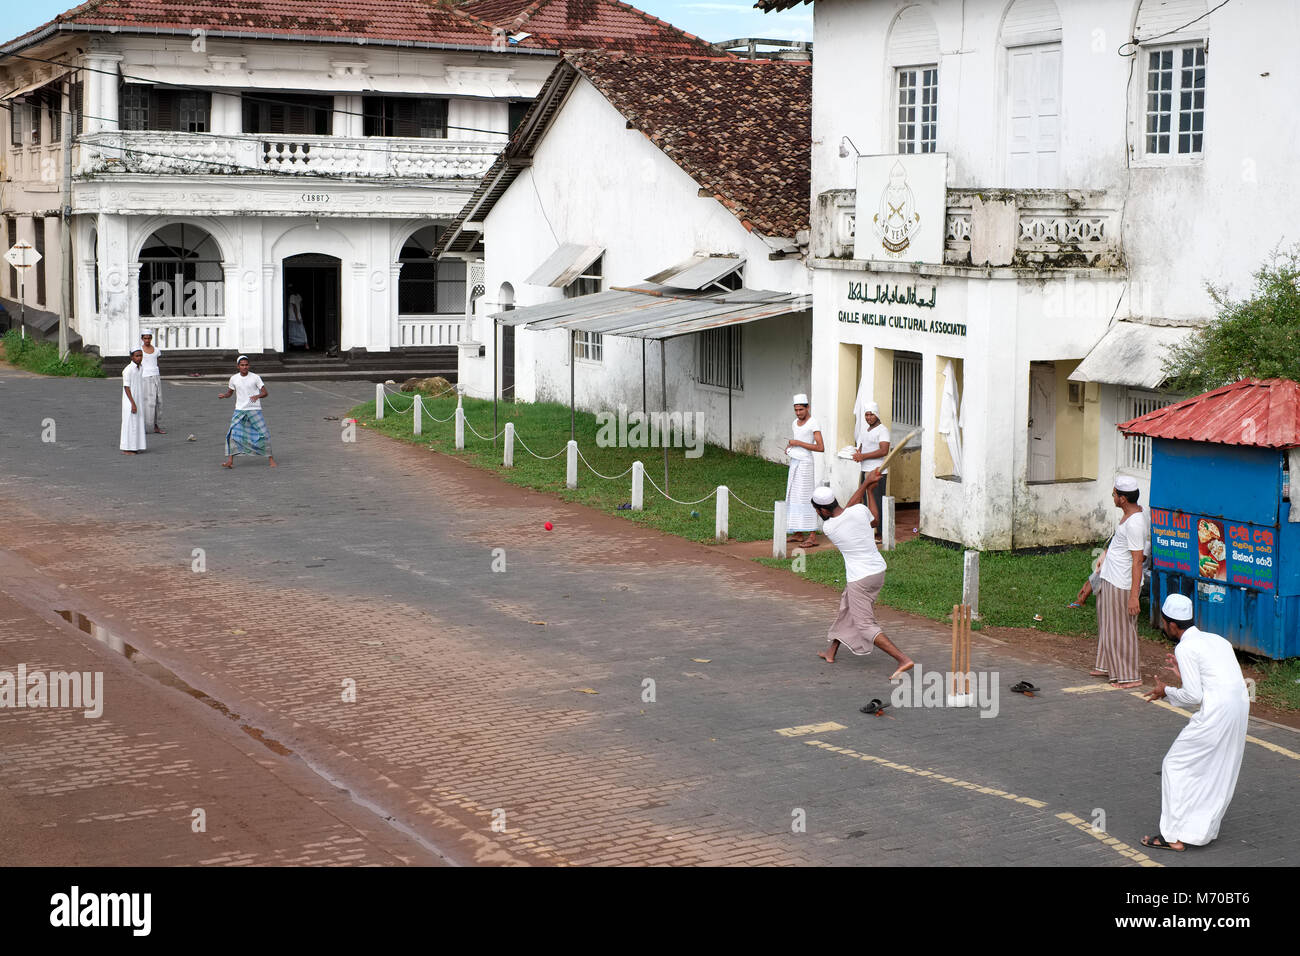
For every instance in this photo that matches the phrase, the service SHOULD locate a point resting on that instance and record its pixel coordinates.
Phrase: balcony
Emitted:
(1033, 229)
(208, 154)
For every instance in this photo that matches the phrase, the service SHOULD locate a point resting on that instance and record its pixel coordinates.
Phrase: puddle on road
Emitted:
(151, 668)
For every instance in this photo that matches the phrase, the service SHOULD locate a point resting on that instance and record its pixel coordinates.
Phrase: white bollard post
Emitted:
(460, 427)
(508, 459)
(638, 486)
(888, 539)
(460, 393)
(778, 529)
(571, 472)
(970, 582)
(721, 513)
(379, 400)
(419, 407)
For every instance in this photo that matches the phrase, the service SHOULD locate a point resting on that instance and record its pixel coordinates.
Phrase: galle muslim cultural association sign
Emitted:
(902, 207)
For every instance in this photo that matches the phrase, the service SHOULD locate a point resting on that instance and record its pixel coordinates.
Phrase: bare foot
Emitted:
(903, 668)
(272, 461)
(130, 453)
(827, 656)
(226, 464)
(1126, 685)
(1097, 674)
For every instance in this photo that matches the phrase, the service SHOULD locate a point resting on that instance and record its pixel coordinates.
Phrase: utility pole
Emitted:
(65, 238)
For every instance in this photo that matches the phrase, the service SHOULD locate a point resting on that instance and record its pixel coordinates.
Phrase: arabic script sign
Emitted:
(884, 294)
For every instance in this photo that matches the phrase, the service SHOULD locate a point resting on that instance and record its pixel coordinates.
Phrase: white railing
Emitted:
(203, 332)
(429, 330)
(147, 151)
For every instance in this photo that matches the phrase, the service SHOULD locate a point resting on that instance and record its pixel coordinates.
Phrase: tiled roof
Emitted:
(1263, 414)
(588, 25)
(742, 129)
(554, 24)
(419, 21)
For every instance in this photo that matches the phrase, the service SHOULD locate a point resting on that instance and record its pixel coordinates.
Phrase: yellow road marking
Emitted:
(1088, 689)
(1134, 854)
(1131, 853)
(1266, 744)
(805, 729)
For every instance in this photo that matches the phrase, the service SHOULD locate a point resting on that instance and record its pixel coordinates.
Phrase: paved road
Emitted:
(502, 716)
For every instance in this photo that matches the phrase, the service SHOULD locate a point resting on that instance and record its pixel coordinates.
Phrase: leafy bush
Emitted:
(43, 358)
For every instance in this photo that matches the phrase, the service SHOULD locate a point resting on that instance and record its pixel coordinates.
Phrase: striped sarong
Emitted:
(1117, 636)
(247, 434)
(799, 514)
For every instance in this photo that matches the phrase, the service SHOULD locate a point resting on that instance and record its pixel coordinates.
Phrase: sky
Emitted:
(713, 20)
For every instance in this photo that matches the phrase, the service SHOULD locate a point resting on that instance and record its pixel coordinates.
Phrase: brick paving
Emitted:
(368, 565)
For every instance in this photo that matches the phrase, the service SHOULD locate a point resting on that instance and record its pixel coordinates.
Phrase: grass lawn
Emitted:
(43, 358)
(544, 428)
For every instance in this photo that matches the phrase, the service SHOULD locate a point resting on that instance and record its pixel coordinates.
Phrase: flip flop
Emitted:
(1073, 604)
(875, 708)
(1025, 687)
(1158, 843)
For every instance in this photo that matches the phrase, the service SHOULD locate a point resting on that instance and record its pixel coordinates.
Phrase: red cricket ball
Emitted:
(548, 526)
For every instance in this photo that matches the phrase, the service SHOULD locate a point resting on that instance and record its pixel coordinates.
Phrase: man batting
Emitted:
(849, 529)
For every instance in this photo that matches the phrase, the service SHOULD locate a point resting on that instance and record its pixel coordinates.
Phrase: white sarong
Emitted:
(132, 422)
(150, 401)
(799, 514)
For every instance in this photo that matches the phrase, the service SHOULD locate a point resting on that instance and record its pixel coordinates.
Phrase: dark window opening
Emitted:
(289, 114)
(181, 274)
(34, 112)
(39, 228)
(16, 126)
(517, 111)
(413, 117)
(11, 230)
(76, 95)
(427, 286)
(176, 111)
(54, 107)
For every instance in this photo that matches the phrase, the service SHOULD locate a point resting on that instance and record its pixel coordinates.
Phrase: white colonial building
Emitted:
(1017, 205)
(231, 165)
(639, 238)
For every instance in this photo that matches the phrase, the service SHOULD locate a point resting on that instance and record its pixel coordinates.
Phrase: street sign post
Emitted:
(22, 256)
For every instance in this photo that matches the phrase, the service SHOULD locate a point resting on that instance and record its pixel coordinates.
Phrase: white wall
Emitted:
(1214, 220)
(593, 181)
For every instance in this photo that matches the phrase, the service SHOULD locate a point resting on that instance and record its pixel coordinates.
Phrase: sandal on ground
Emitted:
(1159, 843)
(1025, 687)
(875, 707)
(1073, 604)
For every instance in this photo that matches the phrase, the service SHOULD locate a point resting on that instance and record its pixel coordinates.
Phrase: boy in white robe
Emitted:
(132, 415)
(1199, 774)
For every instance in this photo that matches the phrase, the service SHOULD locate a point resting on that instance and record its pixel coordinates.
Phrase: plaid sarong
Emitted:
(247, 434)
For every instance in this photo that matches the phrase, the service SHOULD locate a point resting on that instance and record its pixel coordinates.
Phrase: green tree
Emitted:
(1255, 337)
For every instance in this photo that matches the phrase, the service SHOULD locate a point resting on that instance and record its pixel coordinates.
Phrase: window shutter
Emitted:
(162, 110)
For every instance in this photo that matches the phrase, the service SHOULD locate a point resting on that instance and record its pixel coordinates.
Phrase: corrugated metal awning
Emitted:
(656, 312)
(698, 271)
(564, 265)
(1131, 353)
(30, 87)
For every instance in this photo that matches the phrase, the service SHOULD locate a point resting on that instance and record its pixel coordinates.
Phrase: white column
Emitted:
(227, 114)
(101, 81)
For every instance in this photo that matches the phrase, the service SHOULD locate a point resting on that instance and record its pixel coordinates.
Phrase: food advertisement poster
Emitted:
(1213, 549)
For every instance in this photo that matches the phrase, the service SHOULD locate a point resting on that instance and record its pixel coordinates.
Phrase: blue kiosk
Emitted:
(1223, 529)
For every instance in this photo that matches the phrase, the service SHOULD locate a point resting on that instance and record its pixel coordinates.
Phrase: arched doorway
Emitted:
(312, 297)
(181, 274)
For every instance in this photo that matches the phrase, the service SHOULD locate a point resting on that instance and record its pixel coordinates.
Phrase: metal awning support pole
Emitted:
(496, 346)
(731, 329)
(573, 365)
(645, 406)
(663, 381)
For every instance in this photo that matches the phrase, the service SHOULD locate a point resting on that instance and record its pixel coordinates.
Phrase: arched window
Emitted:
(913, 56)
(181, 274)
(428, 286)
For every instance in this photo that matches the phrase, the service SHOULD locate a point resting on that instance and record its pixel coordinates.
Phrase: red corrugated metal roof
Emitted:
(1263, 414)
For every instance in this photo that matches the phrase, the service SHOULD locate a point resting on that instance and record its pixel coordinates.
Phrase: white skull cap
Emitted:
(823, 496)
(801, 399)
(1177, 607)
(1125, 483)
